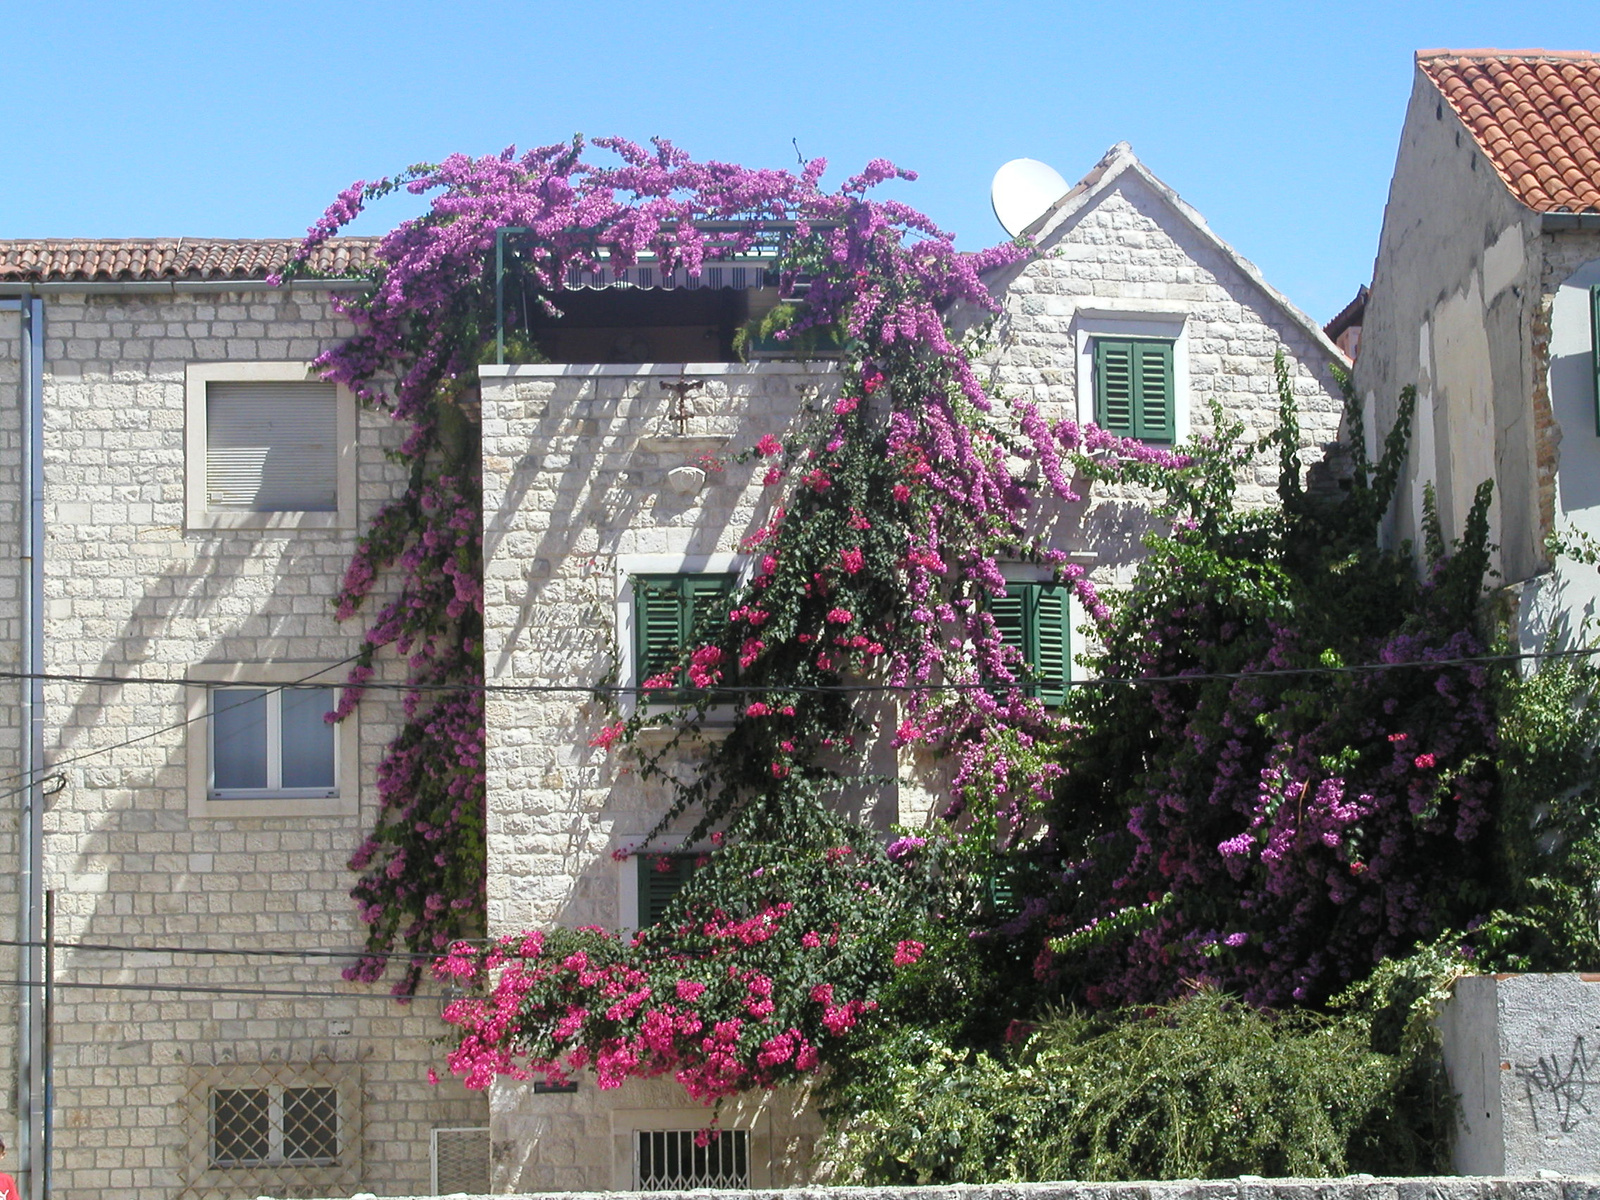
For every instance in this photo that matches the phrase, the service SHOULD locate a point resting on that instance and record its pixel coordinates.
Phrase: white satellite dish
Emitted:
(1023, 190)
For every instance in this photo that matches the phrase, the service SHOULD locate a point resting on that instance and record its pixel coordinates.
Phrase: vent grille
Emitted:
(461, 1161)
(676, 1160)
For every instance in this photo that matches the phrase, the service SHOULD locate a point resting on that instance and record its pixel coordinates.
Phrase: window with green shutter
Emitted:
(668, 612)
(1134, 388)
(661, 877)
(1035, 619)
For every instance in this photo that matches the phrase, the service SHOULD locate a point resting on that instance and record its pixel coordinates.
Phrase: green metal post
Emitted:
(500, 290)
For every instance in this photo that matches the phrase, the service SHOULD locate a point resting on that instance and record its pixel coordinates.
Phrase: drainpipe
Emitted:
(31, 1066)
(30, 1029)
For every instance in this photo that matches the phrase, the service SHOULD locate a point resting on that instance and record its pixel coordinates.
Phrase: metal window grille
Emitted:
(241, 1126)
(675, 1160)
(273, 1128)
(252, 1127)
(460, 1161)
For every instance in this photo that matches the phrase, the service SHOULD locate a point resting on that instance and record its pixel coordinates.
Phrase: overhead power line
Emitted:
(717, 690)
(611, 689)
(233, 952)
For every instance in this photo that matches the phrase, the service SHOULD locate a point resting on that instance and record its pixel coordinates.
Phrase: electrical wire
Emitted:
(592, 689)
(736, 689)
(206, 990)
(221, 951)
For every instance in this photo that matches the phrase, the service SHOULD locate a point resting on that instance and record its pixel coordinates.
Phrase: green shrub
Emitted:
(1205, 1087)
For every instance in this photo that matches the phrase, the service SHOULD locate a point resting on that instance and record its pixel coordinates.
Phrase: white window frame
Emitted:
(628, 1123)
(198, 514)
(274, 787)
(629, 565)
(295, 802)
(1092, 323)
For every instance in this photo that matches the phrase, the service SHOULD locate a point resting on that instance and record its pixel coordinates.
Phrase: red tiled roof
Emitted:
(1351, 314)
(1536, 113)
(74, 260)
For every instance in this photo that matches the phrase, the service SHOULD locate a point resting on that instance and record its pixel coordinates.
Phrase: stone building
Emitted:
(1484, 296)
(198, 494)
(146, 363)
(591, 484)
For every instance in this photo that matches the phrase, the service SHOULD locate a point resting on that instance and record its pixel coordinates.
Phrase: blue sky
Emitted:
(1278, 121)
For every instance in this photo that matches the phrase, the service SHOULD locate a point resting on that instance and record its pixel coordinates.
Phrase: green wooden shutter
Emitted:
(1113, 386)
(1009, 618)
(669, 610)
(1009, 613)
(1134, 388)
(1000, 890)
(1153, 387)
(659, 619)
(701, 593)
(1594, 351)
(1034, 619)
(1051, 626)
(658, 885)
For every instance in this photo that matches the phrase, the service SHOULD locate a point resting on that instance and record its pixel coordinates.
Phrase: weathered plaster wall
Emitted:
(1454, 294)
(1557, 604)
(131, 592)
(1520, 1051)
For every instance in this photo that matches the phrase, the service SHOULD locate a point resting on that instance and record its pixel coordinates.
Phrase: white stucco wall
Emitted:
(1557, 605)
(1454, 293)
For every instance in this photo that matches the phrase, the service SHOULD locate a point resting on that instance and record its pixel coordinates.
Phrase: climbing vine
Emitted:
(879, 554)
(1244, 812)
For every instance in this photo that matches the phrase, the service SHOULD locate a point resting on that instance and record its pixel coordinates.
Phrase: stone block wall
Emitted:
(11, 696)
(132, 592)
(576, 500)
(1129, 257)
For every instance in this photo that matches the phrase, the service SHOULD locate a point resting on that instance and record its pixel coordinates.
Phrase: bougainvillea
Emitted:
(1299, 781)
(1229, 807)
(873, 595)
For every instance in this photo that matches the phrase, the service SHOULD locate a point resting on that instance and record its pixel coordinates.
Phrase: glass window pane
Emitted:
(240, 1126)
(307, 738)
(238, 738)
(311, 1124)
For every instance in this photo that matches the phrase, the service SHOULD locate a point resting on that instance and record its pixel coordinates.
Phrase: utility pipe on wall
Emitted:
(31, 1091)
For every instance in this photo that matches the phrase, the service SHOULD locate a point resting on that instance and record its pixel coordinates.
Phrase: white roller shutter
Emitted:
(272, 447)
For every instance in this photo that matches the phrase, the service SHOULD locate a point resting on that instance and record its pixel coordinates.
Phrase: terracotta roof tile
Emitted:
(73, 260)
(1536, 113)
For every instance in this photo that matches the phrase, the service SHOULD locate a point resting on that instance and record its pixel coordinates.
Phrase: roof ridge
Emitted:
(181, 240)
(1560, 55)
(160, 259)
